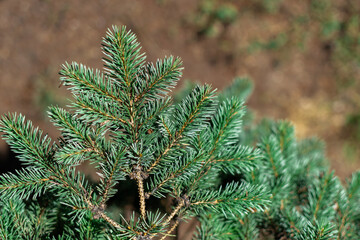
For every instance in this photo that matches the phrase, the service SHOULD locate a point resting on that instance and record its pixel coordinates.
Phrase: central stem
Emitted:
(141, 194)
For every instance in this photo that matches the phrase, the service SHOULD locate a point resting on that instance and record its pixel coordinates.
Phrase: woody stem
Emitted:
(140, 184)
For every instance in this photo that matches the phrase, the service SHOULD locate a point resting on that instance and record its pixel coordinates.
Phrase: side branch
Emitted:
(109, 182)
(170, 230)
(174, 212)
(160, 157)
(109, 220)
(106, 115)
(177, 173)
(272, 161)
(325, 186)
(179, 134)
(99, 213)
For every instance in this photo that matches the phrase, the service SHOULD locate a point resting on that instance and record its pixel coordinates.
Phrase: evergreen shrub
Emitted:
(201, 154)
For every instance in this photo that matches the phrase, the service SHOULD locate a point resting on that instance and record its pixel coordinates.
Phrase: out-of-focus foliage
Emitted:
(336, 25)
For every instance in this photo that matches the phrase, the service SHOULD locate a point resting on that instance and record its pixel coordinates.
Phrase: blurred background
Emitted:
(303, 57)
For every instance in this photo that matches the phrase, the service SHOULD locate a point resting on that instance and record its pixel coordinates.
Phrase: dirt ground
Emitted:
(36, 37)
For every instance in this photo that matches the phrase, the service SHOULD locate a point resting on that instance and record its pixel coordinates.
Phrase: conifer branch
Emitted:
(352, 194)
(124, 59)
(174, 174)
(99, 111)
(24, 183)
(109, 182)
(271, 159)
(154, 109)
(17, 217)
(27, 140)
(319, 199)
(168, 233)
(110, 221)
(174, 212)
(161, 78)
(225, 121)
(81, 78)
(204, 96)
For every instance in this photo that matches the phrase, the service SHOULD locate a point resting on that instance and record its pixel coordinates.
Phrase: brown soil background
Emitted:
(36, 37)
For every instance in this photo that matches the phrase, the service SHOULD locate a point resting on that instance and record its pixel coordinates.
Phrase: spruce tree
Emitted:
(122, 121)
(201, 152)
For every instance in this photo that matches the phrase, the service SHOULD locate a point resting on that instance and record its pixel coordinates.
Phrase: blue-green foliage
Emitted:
(201, 152)
(308, 201)
(123, 121)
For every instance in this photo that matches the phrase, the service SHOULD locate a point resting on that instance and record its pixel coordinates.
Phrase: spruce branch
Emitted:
(160, 79)
(109, 220)
(226, 125)
(182, 171)
(82, 80)
(113, 170)
(234, 198)
(123, 58)
(27, 141)
(322, 195)
(98, 110)
(173, 227)
(180, 205)
(24, 183)
(151, 110)
(188, 116)
(273, 155)
(227, 122)
(19, 219)
(348, 201)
